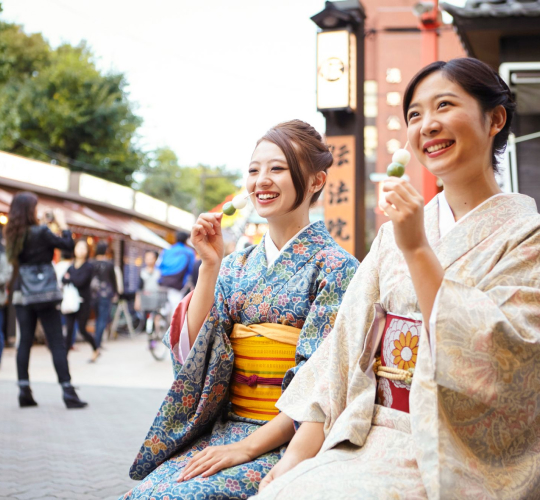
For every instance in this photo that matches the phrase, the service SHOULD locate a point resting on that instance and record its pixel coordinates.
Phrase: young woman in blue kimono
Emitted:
(238, 340)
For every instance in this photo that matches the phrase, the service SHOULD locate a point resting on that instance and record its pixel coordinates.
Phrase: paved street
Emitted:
(50, 452)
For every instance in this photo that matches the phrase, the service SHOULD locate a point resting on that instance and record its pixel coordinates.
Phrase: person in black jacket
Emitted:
(80, 274)
(30, 248)
(104, 289)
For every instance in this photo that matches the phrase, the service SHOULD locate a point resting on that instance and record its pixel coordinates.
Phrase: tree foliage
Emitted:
(190, 188)
(55, 102)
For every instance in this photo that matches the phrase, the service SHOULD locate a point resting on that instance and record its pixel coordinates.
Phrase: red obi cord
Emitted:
(399, 349)
(254, 380)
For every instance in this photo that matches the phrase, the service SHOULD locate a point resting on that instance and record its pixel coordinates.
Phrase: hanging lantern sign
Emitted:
(336, 70)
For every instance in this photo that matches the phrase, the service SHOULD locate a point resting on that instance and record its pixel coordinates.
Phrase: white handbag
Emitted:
(71, 301)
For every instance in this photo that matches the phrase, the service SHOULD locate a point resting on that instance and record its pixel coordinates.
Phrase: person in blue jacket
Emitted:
(176, 266)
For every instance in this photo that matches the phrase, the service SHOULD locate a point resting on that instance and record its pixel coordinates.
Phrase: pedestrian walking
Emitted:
(80, 275)
(5, 275)
(30, 248)
(176, 266)
(104, 289)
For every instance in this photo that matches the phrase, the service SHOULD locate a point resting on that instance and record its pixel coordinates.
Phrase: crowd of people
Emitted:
(63, 293)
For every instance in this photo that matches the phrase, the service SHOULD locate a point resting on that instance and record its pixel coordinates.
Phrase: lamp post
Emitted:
(340, 97)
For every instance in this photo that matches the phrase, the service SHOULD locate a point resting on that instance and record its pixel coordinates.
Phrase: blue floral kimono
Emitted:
(303, 289)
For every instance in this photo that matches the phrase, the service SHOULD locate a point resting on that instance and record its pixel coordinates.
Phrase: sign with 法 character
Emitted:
(339, 192)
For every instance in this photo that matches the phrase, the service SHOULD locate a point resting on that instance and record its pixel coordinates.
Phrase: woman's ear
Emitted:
(318, 182)
(498, 120)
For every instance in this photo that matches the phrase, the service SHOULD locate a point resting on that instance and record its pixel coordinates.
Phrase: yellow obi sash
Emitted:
(262, 355)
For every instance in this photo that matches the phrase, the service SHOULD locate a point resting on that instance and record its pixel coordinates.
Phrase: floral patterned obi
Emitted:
(263, 353)
(399, 349)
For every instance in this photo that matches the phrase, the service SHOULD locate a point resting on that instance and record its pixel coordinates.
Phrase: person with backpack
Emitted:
(176, 266)
(104, 290)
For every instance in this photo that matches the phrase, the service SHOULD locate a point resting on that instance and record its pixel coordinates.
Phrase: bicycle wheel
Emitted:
(157, 348)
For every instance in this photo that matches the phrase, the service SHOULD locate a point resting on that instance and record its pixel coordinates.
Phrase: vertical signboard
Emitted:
(339, 192)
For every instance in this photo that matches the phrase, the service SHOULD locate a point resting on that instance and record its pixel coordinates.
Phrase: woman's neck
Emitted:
(283, 229)
(465, 196)
(79, 262)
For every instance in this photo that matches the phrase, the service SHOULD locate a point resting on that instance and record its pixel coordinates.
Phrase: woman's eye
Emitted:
(252, 171)
(444, 104)
(412, 115)
(277, 168)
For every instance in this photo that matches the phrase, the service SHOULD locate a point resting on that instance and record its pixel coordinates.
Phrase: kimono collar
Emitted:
(477, 225)
(296, 253)
(272, 252)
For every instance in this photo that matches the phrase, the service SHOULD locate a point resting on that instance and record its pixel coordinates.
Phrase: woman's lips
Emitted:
(440, 151)
(266, 201)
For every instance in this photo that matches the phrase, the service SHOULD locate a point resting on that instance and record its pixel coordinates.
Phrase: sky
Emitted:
(209, 77)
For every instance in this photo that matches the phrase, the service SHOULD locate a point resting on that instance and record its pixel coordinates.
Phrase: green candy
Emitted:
(228, 208)
(395, 170)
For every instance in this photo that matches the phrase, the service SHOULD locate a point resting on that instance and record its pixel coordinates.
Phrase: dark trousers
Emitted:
(102, 306)
(51, 321)
(81, 317)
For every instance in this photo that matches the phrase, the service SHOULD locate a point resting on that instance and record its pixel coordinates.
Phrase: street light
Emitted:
(340, 97)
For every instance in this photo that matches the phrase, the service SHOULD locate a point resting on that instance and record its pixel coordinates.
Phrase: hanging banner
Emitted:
(339, 192)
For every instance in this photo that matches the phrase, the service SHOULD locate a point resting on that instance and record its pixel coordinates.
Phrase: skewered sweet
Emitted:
(237, 203)
(400, 159)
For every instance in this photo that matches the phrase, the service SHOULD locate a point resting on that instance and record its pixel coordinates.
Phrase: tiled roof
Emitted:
(495, 8)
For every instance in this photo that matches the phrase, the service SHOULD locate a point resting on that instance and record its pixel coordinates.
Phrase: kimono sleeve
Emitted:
(198, 393)
(486, 366)
(338, 272)
(323, 388)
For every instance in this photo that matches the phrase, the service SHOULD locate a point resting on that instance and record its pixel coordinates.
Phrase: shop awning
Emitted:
(85, 220)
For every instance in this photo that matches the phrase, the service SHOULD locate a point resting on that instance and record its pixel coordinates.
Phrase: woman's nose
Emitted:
(263, 181)
(430, 126)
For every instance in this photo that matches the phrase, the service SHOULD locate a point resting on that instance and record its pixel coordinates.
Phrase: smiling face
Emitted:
(270, 179)
(449, 133)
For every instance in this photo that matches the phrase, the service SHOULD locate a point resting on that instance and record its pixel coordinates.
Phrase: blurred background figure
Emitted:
(80, 275)
(30, 248)
(104, 290)
(176, 267)
(150, 275)
(5, 275)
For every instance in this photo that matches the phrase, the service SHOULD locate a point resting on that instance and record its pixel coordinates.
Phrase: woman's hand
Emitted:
(215, 458)
(60, 219)
(405, 207)
(288, 461)
(207, 239)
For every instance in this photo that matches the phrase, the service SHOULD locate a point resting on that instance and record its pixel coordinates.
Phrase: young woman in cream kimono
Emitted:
(250, 325)
(428, 386)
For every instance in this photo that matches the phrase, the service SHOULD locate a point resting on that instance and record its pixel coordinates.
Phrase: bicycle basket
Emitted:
(153, 301)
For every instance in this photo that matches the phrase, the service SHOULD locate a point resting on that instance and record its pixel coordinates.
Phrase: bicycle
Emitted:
(154, 305)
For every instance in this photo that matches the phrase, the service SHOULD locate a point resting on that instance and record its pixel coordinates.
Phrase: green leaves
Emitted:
(59, 102)
(194, 189)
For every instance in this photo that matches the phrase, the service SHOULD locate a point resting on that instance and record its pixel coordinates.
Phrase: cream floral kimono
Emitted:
(474, 425)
